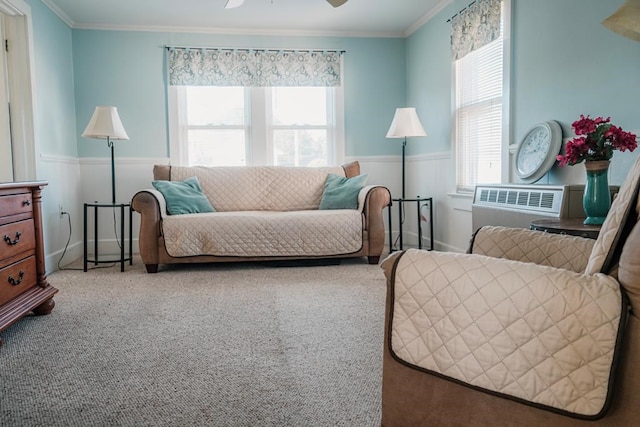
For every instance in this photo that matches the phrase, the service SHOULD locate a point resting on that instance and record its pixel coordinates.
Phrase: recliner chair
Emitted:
(526, 329)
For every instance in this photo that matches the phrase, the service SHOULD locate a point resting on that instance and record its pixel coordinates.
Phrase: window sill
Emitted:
(455, 195)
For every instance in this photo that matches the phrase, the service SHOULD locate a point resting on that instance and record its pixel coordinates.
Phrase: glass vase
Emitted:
(597, 197)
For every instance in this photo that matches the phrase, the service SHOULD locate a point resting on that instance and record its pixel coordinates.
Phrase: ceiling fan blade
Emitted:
(233, 3)
(336, 3)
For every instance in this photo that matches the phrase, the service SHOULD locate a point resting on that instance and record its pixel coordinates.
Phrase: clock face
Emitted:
(537, 151)
(534, 151)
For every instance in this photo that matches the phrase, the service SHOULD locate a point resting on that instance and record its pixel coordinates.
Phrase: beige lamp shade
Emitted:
(105, 124)
(405, 123)
(626, 20)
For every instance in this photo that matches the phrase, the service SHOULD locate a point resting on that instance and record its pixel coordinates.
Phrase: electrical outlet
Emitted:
(60, 210)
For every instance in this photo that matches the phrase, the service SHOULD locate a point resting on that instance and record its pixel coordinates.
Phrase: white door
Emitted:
(6, 156)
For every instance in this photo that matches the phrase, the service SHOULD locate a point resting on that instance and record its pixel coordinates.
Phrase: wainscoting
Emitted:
(428, 175)
(74, 181)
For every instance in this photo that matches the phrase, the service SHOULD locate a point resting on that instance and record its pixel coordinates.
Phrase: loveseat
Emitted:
(261, 213)
(527, 329)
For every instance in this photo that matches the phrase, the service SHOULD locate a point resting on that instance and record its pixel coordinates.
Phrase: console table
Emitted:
(124, 237)
(571, 226)
(23, 281)
(419, 202)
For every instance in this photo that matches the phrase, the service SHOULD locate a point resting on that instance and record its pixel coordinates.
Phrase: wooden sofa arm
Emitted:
(376, 198)
(519, 244)
(149, 204)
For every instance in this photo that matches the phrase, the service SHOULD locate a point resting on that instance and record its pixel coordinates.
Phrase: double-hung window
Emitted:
(239, 121)
(480, 101)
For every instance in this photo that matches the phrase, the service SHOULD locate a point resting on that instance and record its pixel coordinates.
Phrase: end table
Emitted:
(571, 226)
(124, 237)
(419, 201)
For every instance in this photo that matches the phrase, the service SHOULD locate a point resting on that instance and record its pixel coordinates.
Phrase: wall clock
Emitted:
(538, 150)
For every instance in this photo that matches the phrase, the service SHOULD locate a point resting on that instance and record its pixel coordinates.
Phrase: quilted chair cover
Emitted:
(528, 328)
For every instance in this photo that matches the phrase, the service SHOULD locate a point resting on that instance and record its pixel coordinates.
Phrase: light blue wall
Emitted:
(564, 63)
(429, 83)
(127, 69)
(54, 86)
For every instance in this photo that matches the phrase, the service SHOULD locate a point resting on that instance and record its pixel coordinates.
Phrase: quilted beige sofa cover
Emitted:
(579, 298)
(262, 213)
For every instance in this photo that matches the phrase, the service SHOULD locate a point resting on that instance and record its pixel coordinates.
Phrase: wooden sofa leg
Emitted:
(374, 259)
(151, 268)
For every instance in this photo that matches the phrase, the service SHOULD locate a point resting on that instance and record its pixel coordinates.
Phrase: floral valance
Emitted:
(474, 27)
(252, 67)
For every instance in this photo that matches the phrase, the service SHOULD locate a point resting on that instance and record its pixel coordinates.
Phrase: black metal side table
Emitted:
(124, 238)
(419, 201)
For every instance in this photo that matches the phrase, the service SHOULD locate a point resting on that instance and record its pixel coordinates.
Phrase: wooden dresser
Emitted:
(23, 280)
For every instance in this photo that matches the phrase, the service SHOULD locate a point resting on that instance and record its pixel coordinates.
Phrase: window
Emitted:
(299, 123)
(236, 126)
(480, 103)
(255, 107)
(216, 126)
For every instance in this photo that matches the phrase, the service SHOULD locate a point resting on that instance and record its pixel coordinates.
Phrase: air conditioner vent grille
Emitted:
(547, 200)
(543, 200)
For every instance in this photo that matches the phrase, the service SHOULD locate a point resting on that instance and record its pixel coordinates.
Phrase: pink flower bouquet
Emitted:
(596, 140)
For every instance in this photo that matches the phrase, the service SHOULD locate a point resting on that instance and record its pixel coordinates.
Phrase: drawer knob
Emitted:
(26, 202)
(15, 282)
(12, 242)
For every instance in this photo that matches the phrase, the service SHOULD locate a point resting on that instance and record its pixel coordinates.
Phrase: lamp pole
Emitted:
(113, 172)
(404, 145)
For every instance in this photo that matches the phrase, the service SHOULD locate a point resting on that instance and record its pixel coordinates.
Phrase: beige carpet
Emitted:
(201, 345)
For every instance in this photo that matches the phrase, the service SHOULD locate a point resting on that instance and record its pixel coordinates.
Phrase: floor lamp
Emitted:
(405, 124)
(105, 124)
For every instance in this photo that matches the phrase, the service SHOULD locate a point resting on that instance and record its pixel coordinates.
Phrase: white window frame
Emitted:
(259, 135)
(506, 104)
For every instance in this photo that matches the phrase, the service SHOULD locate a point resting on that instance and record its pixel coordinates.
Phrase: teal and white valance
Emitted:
(252, 67)
(474, 27)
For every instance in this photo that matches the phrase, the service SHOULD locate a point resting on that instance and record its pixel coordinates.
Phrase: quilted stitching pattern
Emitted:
(259, 188)
(555, 250)
(254, 234)
(534, 332)
(619, 208)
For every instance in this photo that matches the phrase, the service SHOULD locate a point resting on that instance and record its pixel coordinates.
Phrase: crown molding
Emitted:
(238, 31)
(59, 12)
(426, 18)
(246, 31)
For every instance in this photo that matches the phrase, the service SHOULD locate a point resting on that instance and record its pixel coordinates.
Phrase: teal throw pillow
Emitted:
(342, 193)
(184, 197)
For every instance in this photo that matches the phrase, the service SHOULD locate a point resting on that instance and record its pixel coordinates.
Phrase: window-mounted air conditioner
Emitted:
(516, 205)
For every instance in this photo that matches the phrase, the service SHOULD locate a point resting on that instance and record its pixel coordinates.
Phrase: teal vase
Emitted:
(597, 198)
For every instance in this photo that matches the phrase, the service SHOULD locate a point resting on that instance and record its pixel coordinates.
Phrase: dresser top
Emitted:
(22, 184)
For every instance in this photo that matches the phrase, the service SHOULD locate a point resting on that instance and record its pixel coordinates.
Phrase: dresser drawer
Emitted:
(15, 204)
(16, 238)
(17, 278)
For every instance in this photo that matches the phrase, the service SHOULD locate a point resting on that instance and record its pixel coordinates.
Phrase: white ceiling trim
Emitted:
(55, 9)
(426, 18)
(245, 31)
(14, 8)
(238, 31)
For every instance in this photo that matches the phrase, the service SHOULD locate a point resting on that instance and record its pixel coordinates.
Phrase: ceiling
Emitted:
(385, 18)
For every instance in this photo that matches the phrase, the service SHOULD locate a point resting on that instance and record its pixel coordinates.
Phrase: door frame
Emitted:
(20, 60)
